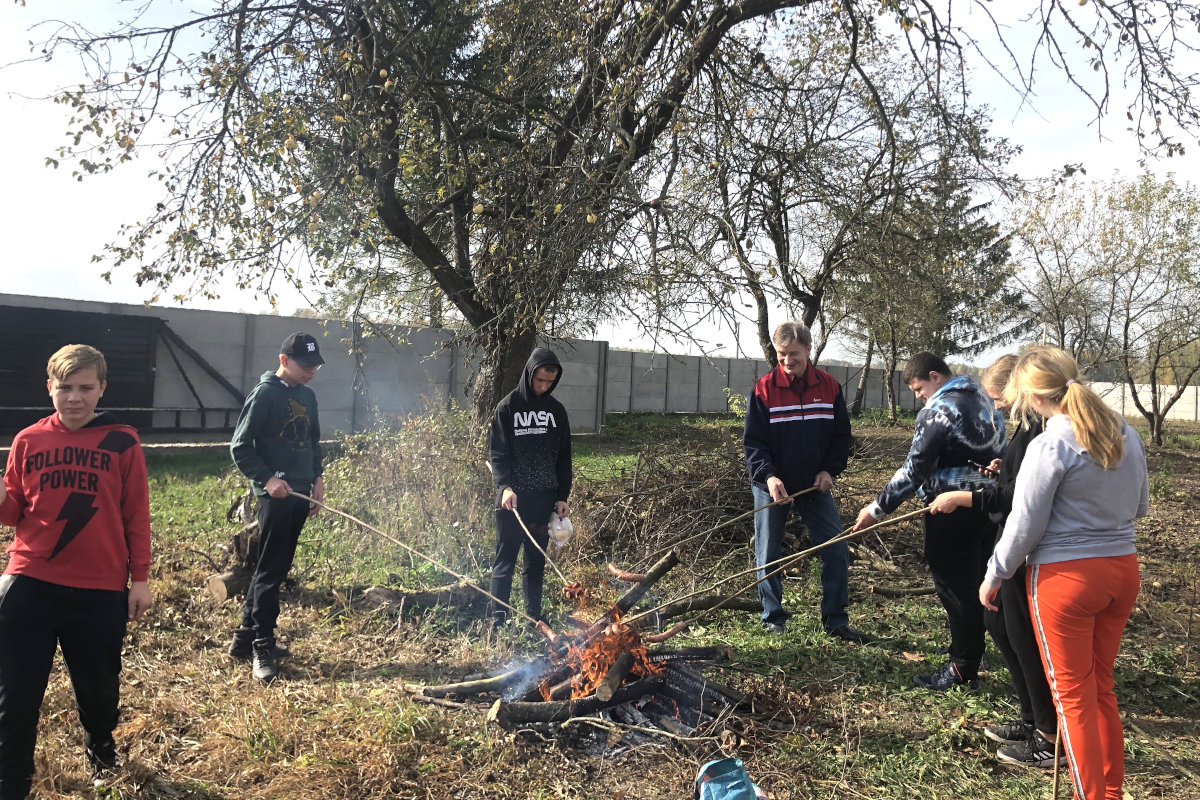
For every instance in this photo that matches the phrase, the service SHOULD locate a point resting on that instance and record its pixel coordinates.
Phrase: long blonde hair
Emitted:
(1054, 376)
(995, 378)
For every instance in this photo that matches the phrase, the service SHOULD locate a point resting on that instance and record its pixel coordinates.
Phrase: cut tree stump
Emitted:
(227, 584)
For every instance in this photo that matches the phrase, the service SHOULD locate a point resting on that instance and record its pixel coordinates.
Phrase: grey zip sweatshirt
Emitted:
(1067, 507)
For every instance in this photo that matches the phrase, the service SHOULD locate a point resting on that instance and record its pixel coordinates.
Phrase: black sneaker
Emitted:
(1033, 752)
(242, 646)
(1010, 732)
(266, 666)
(848, 634)
(946, 680)
(105, 761)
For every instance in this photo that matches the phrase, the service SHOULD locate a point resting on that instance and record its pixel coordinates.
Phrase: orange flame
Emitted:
(591, 663)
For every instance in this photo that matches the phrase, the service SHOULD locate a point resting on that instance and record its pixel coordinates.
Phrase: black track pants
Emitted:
(35, 617)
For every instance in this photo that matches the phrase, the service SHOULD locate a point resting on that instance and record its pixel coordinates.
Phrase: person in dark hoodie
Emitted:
(277, 445)
(529, 444)
(958, 425)
(1027, 741)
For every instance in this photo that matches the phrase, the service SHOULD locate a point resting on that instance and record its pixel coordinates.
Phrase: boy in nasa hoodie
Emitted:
(529, 443)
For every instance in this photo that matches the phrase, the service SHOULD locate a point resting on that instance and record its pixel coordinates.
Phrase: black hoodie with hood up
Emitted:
(529, 440)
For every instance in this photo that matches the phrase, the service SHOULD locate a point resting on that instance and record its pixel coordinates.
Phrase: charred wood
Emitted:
(713, 654)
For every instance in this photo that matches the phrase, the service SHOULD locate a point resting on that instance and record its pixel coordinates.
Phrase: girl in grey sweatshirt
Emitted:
(1079, 489)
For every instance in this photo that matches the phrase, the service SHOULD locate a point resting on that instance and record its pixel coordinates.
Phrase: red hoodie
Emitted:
(79, 501)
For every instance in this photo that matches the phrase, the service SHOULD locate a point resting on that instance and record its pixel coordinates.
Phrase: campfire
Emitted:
(606, 669)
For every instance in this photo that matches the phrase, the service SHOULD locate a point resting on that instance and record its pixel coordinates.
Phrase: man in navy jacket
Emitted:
(798, 436)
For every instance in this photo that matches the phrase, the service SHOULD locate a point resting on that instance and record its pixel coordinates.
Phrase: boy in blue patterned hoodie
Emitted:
(958, 425)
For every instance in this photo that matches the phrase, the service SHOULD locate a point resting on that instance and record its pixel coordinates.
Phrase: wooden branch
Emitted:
(707, 602)
(614, 677)
(496, 683)
(457, 595)
(888, 591)
(510, 715)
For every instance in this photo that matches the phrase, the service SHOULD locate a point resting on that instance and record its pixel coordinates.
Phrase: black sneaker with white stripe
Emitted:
(1033, 752)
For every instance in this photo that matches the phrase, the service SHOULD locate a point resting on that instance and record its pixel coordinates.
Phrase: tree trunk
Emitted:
(857, 406)
(503, 356)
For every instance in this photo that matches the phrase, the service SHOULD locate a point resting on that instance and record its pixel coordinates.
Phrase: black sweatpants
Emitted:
(280, 521)
(1012, 630)
(534, 508)
(957, 547)
(35, 617)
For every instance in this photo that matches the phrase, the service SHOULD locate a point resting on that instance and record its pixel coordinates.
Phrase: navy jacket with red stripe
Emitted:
(796, 428)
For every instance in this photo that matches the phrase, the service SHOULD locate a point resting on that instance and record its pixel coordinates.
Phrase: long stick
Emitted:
(525, 528)
(416, 553)
(1057, 750)
(779, 564)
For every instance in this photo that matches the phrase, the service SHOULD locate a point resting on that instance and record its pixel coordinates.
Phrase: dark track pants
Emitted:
(534, 508)
(279, 524)
(957, 547)
(35, 617)
(1012, 630)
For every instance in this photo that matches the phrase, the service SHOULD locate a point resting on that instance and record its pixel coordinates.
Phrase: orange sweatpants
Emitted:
(1079, 609)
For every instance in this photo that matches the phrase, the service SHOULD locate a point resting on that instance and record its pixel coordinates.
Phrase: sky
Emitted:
(53, 225)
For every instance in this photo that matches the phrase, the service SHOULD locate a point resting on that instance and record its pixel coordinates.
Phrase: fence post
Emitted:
(601, 383)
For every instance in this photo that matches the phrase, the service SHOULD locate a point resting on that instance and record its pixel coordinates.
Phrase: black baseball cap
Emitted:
(302, 348)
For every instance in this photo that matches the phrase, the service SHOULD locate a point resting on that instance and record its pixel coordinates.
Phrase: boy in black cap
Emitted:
(277, 445)
(529, 446)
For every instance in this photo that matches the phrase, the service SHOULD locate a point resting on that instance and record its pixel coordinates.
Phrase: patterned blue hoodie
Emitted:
(957, 425)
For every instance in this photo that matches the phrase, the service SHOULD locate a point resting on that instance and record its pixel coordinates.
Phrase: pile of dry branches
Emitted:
(669, 496)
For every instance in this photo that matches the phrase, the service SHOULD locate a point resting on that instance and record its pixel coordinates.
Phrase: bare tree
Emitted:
(1112, 275)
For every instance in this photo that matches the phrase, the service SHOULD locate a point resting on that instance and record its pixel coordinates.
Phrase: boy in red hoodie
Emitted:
(75, 489)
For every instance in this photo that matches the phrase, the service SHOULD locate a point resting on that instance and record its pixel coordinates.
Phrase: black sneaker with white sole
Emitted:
(1033, 752)
(1010, 732)
(265, 664)
(105, 761)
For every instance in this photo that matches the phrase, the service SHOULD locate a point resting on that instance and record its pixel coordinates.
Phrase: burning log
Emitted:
(631, 598)
(515, 714)
(614, 677)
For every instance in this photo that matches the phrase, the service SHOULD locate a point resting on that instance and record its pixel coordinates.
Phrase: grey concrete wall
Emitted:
(398, 377)
(422, 366)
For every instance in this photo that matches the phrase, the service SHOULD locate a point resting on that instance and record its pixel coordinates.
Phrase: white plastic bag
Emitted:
(560, 529)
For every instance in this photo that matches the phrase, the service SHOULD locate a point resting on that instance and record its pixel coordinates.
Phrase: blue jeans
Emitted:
(820, 515)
